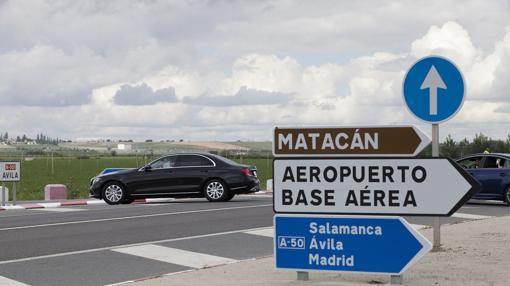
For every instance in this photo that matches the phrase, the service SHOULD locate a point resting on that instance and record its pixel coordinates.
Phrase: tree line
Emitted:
(480, 144)
(40, 139)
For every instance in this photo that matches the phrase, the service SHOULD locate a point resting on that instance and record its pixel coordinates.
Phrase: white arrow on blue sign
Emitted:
(360, 244)
(434, 89)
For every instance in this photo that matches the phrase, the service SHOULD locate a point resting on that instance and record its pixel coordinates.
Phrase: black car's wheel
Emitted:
(114, 193)
(128, 200)
(216, 191)
(506, 196)
(229, 197)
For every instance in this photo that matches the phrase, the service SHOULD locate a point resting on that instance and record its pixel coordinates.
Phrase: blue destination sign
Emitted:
(386, 245)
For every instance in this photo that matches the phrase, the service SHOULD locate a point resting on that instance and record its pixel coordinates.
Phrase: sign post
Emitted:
(436, 224)
(3, 194)
(314, 172)
(10, 172)
(434, 92)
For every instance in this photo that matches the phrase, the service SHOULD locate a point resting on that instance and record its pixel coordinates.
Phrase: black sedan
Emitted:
(177, 175)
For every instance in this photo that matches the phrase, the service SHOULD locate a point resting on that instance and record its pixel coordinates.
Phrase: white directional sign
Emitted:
(428, 186)
(10, 171)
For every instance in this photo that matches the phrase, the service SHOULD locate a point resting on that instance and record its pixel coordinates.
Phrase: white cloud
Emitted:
(270, 62)
(143, 95)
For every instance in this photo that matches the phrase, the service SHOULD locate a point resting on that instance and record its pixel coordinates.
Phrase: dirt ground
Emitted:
(475, 253)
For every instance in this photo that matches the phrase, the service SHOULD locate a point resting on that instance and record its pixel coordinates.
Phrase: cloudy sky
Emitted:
(229, 70)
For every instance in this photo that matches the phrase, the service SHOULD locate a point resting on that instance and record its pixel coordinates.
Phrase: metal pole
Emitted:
(303, 276)
(14, 193)
(3, 194)
(52, 168)
(436, 224)
(397, 280)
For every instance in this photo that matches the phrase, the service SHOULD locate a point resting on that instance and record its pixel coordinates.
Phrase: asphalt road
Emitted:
(99, 244)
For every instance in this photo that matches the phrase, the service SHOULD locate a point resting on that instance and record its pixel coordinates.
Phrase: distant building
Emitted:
(124, 147)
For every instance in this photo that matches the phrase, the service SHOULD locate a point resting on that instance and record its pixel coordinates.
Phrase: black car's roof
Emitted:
(208, 155)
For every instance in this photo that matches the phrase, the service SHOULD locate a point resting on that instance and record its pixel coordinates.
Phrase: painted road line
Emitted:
(4, 281)
(268, 232)
(419, 226)
(96, 202)
(13, 208)
(131, 217)
(63, 210)
(123, 246)
(470, 216)
(175, 256)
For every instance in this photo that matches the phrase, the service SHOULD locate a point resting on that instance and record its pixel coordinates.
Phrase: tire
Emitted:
(114, 193)
(128, 200)
(216, 191)
(229, 197)
(506, 196)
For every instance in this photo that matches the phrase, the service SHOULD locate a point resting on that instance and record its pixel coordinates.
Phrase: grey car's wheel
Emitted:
(506, 196)
(216, 191)
(113, 193)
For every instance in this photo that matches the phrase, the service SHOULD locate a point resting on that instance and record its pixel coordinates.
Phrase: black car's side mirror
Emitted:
(147, 169)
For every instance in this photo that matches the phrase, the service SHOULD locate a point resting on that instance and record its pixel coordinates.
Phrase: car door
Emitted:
(156, 178)
(192, 171)
(473, 166)
(492, 176)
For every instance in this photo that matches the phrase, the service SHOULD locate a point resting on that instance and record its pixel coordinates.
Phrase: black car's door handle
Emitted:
(502, 174)
(204, 171)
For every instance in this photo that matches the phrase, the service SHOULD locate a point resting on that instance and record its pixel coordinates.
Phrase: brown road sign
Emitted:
(387, 141)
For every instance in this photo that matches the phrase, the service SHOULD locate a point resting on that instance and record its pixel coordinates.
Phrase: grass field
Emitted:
(76, 173)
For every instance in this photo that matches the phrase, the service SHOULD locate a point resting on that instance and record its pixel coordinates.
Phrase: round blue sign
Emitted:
(434, 89)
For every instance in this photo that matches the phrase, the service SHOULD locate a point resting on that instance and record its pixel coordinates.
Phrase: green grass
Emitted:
(76, 173)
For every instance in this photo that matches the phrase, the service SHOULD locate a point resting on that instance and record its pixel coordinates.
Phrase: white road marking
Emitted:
(419, 226)
(13, 207)
(131, 217)
(49, 205)
(470, 216)
(96, 202)
(153, 204)
(62, 210)
(123, 246)
(159, 200)
(4, 281)
(175, 256)
(268, 232)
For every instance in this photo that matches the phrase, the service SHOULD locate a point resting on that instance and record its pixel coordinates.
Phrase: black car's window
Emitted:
(491, 162)
(506, 164)
(471, 163)
(193, 161)
(165, 162)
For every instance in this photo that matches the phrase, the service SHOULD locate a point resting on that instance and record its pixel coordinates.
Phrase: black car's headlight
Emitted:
(95, 180)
